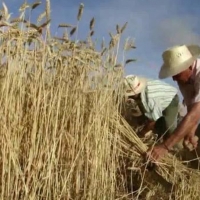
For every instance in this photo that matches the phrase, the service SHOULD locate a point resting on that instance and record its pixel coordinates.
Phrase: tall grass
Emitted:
(62, 135)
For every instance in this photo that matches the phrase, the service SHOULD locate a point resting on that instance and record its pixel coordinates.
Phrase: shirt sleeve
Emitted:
(196, 97)
(155, 110)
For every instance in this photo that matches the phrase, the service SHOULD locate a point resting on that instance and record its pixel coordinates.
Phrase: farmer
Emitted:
(181, 63)
(157, 100)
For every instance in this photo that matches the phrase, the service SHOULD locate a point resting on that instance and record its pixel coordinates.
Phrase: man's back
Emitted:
(156, 97)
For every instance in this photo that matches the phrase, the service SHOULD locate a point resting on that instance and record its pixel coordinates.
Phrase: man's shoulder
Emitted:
(196, 73)
(198, 65)
(158, 83)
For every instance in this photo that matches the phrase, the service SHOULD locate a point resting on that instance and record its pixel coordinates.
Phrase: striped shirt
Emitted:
(156, 97)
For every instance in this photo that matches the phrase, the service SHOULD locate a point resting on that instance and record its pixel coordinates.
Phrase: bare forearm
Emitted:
(150, 125)
(181, 131)
(188, 124)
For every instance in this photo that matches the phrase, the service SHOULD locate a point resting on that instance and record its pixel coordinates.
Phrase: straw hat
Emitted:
(134, 85)
(178, 59)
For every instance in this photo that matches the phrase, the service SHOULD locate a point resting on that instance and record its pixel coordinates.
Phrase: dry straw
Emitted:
(62, 134)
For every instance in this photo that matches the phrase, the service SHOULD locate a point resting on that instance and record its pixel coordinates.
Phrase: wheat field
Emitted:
(62, 133)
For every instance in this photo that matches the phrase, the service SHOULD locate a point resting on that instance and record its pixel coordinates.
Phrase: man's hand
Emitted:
(190, 142)
(156, 152)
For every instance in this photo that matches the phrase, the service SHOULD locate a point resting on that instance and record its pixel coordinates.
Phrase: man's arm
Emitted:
(188, 123)
(184, 128)
(149, 126)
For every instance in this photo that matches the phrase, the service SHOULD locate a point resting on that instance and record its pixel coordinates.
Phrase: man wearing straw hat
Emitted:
(181, 63)
(157, 100)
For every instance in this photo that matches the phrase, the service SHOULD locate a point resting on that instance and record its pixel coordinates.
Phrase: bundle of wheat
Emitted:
(171, 174)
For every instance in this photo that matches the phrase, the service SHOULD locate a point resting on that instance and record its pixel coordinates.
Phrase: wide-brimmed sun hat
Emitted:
(177, 59)
(134, 85)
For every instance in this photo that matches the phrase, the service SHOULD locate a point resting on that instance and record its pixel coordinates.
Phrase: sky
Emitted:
(153, 25)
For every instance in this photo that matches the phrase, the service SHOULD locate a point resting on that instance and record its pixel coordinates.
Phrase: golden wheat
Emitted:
(62, 132)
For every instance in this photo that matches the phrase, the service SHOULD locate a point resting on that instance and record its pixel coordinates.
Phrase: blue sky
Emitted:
(154, 25)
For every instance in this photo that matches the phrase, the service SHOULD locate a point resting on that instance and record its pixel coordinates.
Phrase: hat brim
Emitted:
(166, 72)
(143, 83)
